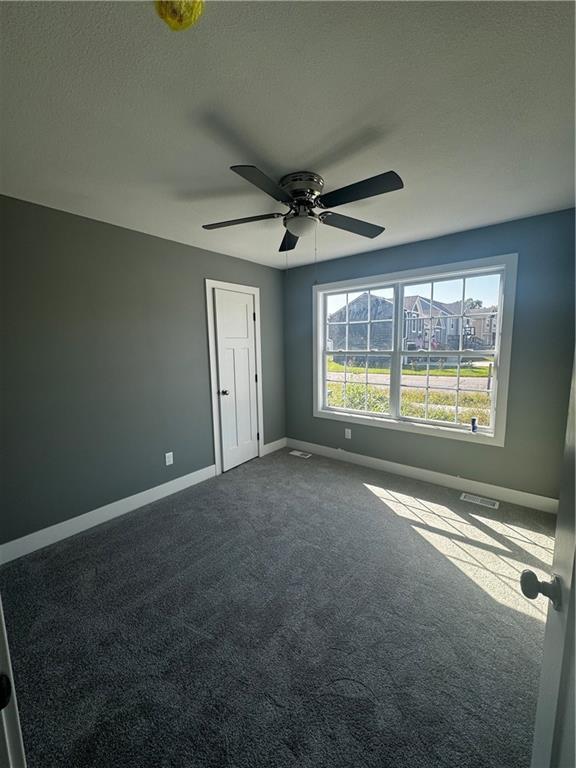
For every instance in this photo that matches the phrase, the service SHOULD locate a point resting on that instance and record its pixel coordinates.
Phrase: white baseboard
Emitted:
(522, 498)
(39, 539)
(277, 445)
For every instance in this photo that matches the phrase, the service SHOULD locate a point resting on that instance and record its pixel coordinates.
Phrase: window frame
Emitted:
(506, 265)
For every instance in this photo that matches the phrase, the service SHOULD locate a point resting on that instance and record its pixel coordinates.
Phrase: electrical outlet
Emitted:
(169, 458)
(348, 434)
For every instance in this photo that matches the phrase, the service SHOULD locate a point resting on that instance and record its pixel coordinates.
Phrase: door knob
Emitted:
(531, 587)
(224, 392)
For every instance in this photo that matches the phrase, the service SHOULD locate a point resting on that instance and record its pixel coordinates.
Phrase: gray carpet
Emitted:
(283, 614)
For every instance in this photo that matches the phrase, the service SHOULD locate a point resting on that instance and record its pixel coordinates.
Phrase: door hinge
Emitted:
(257, 435)
(254, 316)
(256, 377)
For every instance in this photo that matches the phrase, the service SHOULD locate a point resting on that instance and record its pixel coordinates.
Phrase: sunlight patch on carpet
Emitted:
(490, 552)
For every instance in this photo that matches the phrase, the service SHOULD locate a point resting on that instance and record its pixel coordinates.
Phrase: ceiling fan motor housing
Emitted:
(303, 186)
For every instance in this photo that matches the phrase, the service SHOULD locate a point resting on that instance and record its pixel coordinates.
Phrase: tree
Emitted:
(470, 304)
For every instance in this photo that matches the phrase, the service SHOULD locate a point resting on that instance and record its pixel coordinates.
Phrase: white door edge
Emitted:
(551, 715)
(11, 744)
(212, 352)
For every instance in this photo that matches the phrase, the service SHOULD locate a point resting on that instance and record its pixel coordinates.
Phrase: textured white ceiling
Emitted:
(108, 114)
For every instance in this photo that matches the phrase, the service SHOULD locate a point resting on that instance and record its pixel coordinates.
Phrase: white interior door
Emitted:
(237, 384)
(11, 746)
(553, 745)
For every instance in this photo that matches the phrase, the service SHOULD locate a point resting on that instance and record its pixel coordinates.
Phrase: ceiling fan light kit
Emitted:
(302, 192)
(300, 225)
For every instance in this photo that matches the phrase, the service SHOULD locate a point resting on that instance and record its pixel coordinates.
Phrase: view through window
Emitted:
(422, 351)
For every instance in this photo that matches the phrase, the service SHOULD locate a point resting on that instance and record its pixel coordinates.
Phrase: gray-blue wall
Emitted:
(542, 350)
(105, 362)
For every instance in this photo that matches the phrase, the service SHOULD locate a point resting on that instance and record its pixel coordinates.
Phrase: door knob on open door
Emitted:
(531, 587)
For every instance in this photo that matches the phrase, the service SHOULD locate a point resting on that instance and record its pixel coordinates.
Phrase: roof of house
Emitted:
(434, 307)
(358, 308)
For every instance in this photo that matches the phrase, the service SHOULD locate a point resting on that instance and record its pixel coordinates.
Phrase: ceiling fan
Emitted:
(302, 193)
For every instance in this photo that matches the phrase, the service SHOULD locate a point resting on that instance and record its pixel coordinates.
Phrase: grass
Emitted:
(466, 399)
(476, 371)
(483, 371)
(441, 405)
(333, 367)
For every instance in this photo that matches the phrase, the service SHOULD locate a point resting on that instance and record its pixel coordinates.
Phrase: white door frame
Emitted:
(212, 351)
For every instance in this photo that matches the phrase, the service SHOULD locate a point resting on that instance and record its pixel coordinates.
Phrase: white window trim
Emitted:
(508, 264)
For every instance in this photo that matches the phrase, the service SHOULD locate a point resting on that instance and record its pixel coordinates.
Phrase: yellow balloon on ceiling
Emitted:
(179, 14)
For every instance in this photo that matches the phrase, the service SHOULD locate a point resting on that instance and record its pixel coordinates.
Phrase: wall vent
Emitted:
(300, 454)
(492, 503)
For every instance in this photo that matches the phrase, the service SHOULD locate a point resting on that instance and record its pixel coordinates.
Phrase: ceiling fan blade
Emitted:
(288, 242)
(376, 185)
(350, 225)
(260, 180)
(248, 219)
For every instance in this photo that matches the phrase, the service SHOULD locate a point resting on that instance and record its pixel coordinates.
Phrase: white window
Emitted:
(411, 351)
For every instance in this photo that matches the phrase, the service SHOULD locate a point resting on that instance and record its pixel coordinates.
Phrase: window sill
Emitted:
(431, 430)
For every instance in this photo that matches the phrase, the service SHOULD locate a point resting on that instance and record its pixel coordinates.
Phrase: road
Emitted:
(473, 383)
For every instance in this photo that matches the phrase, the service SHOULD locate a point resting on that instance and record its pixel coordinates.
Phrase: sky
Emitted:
(485, 287)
